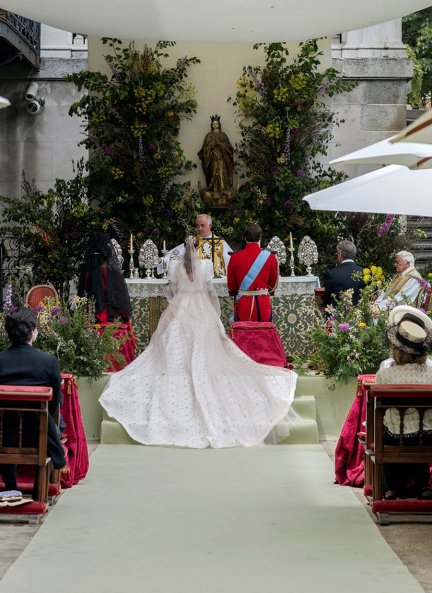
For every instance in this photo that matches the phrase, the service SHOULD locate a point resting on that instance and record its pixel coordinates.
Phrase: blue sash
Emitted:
(253, 272)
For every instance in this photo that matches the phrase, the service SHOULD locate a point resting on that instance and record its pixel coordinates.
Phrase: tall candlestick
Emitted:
(131, 242)
(164, 246)
(291, 242)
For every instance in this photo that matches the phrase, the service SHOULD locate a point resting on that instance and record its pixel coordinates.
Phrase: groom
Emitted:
(252, 277)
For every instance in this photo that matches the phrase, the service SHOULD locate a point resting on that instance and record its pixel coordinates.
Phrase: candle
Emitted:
(164, 246)
(291, 242)
(131, 243)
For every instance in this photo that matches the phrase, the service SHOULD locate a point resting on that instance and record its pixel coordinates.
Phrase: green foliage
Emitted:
(353, 341)
(51, 228)
(414, 97)
(132, 120)
(417, 33)
(72, 336)
(285, 125)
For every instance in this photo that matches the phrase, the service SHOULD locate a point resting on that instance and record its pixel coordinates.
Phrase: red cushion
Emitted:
(259, 340)
(30, 508)
(402, 506)
(25, 392)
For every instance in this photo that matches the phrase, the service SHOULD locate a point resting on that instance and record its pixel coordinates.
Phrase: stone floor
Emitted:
(410, 538)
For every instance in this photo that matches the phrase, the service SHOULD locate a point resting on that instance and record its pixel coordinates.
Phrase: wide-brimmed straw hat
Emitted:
(410, 330)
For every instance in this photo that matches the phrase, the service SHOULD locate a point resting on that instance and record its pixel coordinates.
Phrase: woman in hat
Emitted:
(410, 334)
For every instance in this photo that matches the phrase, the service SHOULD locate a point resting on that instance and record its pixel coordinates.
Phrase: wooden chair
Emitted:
(37, 293)
(401, 396)
(26, 401)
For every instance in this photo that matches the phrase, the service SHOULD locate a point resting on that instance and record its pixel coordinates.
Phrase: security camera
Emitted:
(34, 103)
(31, 91)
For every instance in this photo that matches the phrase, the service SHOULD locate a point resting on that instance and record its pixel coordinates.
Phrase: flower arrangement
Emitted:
(352, 340)
(72, 336)
(285, 124)
(50, 229)
(132, 119)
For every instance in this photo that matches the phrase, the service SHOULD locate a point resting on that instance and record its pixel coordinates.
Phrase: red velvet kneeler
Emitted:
(259, 340)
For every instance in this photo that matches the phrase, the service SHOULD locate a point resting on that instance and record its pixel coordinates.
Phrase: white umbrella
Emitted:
(419, 131)
(243, 21)
(394, 189)
(413, 155)
(4, 102)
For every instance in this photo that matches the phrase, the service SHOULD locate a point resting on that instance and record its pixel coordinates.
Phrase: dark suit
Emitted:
(339, 279)
(25, 365)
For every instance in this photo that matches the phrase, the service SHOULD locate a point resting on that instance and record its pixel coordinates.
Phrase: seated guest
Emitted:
(405, 286)
(339, 279)
(253, 275)
(22, 364)
(209, 245)
(410, 333)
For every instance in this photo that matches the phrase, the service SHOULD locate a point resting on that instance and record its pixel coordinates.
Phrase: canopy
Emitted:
(242, 21)
(413, 155)
(393, 189)
(419, 131)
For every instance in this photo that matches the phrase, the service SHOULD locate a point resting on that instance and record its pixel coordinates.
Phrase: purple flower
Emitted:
(74, 235)
(304, 105)
(152, 148)
(268, 201)
(63, 320)
(55, 310)
(167, 212)
(155, 232)
(344, 327)
(175, 131)
(332, 318)
(131, 201)
(424, 284)
(13, 309)
(236, 212)
(288, 204)
(107, 150)
(123, 160)
(300, 172)
(385, 227)
(274, 170)
(39, 308)
(295, 132)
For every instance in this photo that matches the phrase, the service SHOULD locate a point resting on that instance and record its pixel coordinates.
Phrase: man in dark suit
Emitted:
(341, 278)
(22, 364)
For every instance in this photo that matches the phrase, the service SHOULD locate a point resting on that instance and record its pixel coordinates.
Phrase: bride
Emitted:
(192, 386)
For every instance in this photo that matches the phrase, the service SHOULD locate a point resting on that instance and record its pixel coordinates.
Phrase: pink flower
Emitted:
(300, 173)
(344, 327)
(63, 320)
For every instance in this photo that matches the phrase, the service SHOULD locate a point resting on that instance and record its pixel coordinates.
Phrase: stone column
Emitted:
(376, 58)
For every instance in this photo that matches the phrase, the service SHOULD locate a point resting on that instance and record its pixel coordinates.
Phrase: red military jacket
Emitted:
(252, 308)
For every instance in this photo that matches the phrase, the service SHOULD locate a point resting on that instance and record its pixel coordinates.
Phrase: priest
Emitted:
(210, 246)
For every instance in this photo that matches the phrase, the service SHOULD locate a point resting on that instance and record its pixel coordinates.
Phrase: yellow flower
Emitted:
(236, 220)
(170, 113)
(362, 324)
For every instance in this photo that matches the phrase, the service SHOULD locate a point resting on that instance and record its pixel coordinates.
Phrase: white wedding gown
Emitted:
(192, 386)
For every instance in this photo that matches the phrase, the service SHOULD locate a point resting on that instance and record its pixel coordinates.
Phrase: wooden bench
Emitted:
(28, 405)
(400, 396)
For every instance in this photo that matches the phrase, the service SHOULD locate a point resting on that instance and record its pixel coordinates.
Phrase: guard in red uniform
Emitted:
(252, 277)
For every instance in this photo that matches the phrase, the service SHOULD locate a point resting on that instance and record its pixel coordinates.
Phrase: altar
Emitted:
(294, 309)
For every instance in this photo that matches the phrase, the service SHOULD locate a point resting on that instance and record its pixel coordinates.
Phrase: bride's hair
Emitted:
(188, 256)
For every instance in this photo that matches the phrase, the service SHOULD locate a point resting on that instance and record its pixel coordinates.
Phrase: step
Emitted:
(303, 431)
(305, 406)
